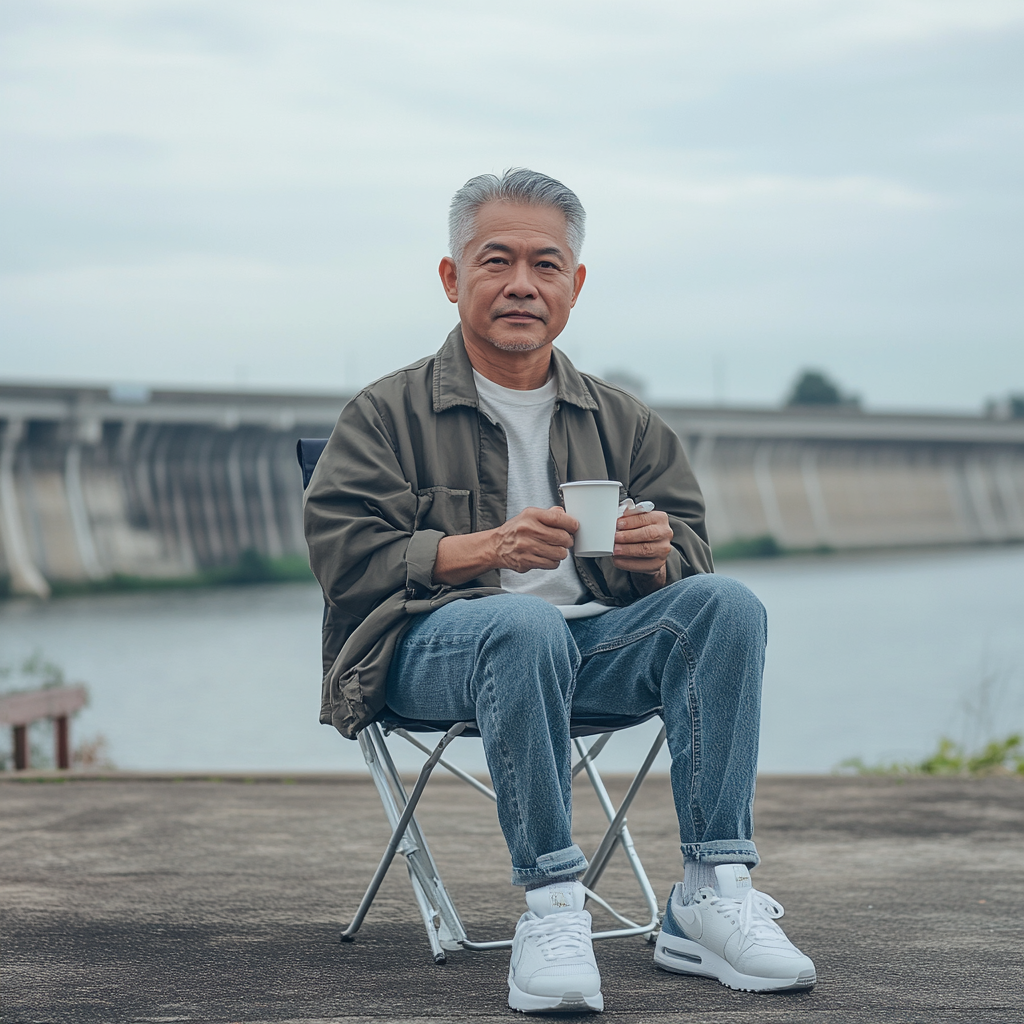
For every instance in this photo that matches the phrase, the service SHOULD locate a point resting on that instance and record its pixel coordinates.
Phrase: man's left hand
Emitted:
(642, 543)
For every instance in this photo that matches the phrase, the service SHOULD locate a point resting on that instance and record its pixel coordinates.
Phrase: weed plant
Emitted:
(997, 757)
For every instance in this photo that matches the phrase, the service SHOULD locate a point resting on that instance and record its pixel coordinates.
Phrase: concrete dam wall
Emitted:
(96, 482)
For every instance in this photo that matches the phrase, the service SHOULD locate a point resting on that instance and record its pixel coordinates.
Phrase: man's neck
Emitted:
(521, 371)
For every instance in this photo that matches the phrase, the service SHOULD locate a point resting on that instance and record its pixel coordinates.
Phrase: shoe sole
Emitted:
(684, 956)
(568, 1002)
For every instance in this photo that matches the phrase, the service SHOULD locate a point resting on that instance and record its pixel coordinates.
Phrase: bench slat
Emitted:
(25, 708)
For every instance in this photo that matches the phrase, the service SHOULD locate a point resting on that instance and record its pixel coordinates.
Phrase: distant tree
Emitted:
(1009, 408)
(812, 387)
(628, 381)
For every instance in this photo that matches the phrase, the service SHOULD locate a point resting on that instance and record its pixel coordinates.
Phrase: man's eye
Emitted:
(547, 265)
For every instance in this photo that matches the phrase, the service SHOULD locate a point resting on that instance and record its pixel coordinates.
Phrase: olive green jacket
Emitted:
(412, 459)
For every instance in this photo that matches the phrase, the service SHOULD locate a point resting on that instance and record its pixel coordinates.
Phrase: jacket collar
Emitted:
(454, 384)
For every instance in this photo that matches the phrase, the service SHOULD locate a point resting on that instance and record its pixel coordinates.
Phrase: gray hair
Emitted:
(516, 185)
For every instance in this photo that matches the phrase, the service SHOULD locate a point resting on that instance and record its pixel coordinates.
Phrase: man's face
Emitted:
(516, 282)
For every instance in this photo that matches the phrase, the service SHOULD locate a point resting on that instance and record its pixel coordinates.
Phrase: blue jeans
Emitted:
(694, 649)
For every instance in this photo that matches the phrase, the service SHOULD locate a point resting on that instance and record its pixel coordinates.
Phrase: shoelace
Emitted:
(756, 913)
(561, 935)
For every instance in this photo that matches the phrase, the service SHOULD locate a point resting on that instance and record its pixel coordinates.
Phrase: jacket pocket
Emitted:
(446, 509)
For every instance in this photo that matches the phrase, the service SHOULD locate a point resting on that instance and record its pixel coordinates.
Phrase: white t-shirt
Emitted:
(525, 416)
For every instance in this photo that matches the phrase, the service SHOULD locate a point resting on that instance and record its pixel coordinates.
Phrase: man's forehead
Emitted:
(503, 226)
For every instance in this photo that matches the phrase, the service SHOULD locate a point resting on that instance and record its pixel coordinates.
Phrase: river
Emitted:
(871, 656)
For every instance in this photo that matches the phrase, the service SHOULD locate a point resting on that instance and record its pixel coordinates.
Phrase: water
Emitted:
(869, 656)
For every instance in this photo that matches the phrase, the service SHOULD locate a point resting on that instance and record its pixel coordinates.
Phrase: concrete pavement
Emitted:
(147, 899)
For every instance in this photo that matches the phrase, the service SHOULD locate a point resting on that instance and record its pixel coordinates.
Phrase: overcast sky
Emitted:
(244, 192)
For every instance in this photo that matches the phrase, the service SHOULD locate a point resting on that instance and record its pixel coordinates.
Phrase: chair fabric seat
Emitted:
(585, 725)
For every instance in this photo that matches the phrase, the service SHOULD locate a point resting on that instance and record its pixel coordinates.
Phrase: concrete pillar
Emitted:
(267, 506)
(25, 576)
(1013, 509)
(766, 490)
(719, 526)
(814, 493)
(208, 498)
(980, 494)
(237, 490)
(79, 512)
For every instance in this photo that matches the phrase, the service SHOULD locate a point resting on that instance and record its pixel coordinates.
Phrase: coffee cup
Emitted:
(595, 504)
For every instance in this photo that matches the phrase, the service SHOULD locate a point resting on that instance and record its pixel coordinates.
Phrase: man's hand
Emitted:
(537, 538)
(642, 544)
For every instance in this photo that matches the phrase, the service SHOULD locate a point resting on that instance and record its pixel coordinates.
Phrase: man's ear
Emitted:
(578, 277)
(449, 278)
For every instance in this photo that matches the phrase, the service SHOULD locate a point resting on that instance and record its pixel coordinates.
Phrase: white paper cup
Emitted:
(595, 503)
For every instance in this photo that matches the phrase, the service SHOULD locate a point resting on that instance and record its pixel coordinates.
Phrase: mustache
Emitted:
(519, 309)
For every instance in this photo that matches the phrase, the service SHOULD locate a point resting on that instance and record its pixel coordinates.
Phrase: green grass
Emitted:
(251, 567)
(764, 546)
(997, 757)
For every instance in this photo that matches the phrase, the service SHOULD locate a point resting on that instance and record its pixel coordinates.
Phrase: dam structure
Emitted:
(97, 482)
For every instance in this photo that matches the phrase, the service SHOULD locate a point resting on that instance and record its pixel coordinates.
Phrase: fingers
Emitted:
(539, 557)
(643, 521)
(556, 517)
(535, 539)
(647, 528)
(642, 542)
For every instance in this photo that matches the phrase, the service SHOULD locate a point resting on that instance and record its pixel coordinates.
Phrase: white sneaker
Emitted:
(729, 933)
(553, 968)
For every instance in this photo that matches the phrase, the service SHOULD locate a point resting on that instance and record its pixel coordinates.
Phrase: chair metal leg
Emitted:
(444, 927)
(401, 826)
(587, 754)
(617, 830)
(421, 861)
(453, 768)
(600, 859)
(431, 918)
(422, 876)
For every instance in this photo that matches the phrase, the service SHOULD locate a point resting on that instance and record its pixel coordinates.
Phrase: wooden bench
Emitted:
(20, 710)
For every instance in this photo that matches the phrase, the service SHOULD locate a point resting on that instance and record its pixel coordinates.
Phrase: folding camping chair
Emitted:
(445, 930)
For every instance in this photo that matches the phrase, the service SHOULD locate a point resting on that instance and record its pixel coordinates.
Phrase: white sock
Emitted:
(697, 874)
(556, 897)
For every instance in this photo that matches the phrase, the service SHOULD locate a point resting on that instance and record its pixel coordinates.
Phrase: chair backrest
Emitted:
(308, 451)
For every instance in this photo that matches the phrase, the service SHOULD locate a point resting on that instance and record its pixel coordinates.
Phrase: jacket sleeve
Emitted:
(660, 472)
(359, 514)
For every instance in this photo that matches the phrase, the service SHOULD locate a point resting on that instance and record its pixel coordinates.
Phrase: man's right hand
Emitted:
(537, 538)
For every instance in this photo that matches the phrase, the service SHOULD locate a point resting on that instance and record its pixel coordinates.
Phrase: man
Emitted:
(435, 530)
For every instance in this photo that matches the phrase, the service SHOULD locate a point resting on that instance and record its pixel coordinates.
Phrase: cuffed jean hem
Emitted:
(551, 865)
(723, 851)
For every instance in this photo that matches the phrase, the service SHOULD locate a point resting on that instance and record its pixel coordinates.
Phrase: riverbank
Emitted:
(130, 900)
(252, 567)
(875, 657)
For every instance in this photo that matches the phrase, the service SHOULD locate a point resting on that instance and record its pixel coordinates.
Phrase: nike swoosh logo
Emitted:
(689, 919)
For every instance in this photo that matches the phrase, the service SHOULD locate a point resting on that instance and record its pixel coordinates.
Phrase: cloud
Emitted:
(777, 175)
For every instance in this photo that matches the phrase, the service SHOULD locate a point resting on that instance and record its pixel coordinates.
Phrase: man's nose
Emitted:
(520, 284)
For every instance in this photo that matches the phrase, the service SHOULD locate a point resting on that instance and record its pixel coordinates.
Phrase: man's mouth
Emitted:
(518, 314)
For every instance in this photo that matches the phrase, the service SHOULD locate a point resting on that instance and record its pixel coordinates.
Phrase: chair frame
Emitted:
(445, 930)
(444, 927)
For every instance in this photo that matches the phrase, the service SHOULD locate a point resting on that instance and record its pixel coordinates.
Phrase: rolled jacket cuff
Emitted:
(569, 861)
(723, 851)
(420, 558)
